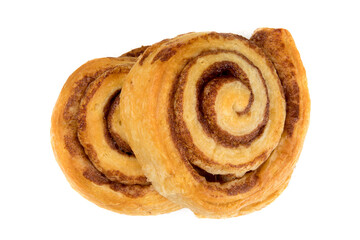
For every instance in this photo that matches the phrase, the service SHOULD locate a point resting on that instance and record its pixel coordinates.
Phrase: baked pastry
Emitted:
(89, 145)
(218, 121)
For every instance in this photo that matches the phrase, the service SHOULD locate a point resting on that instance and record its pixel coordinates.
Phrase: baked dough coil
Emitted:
(89, 143)
(218, 121)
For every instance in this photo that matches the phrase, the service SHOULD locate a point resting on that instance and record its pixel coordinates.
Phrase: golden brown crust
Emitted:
(137, 52)
(88, 95)
(279, 46)
(210, 122)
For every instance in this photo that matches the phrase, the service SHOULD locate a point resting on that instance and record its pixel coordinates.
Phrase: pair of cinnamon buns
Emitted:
(210, 121)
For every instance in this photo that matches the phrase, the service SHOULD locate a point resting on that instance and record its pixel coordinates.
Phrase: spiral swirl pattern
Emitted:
(232, 109)
(212, 129)
(89, 142)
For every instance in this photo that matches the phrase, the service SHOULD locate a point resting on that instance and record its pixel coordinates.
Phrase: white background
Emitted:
(42, 43)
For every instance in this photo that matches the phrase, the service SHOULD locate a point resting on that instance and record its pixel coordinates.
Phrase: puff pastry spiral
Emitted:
(89, 143)
(218, 121)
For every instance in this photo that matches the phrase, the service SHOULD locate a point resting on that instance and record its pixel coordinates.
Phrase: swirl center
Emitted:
(221, 110)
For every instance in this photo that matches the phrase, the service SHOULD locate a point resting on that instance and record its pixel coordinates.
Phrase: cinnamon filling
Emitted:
(75, 148)
(214, 177)
(207, 87)
(133, 190)
(215, 76)
(285, 71)
(113, 139)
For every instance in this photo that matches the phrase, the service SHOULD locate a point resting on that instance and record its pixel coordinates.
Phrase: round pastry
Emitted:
(88, 140)
(218, 121)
